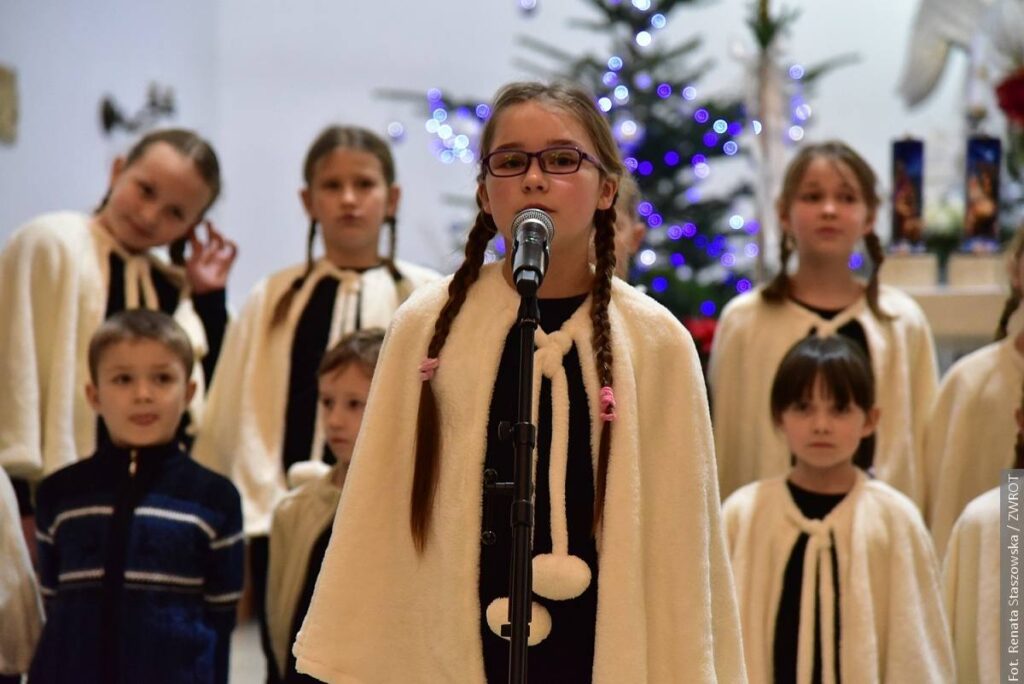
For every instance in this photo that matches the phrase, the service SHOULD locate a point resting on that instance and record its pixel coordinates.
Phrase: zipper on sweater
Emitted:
(133, 462)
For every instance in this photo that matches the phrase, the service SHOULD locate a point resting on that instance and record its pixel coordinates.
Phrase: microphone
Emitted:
(532, 233)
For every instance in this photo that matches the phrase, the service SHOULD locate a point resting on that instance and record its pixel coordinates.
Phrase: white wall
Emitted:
(262, 77)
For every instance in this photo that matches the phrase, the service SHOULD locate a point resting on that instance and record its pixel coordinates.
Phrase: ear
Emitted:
(870, 421)
(637, 237)
(306, 195)
(485, 200)
(190, 391)
(92, 395)
(609, 186)
(116, 169)
(394, 195)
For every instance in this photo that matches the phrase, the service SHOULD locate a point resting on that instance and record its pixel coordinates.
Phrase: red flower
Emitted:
(703, 331)
(1011, 96)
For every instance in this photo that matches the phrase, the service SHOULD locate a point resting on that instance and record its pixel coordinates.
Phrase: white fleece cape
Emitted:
(243, 427)
(299, 520)
(666, 608)
(972, 432)
(892, 628)
(21, 609)
(970, 577)
(752, 337)
(54, 283)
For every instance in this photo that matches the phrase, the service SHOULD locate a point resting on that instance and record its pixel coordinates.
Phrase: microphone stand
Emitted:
(524, 435)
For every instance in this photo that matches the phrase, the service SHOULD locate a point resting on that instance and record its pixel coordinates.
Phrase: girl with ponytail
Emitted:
(630, 575)
(828, 204)
(261, 417)
(970, 434)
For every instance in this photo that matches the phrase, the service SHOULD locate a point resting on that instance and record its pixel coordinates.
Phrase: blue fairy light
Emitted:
(751, 250)
(701, 115)
(431, 125)
(690, 93)
(678, 259)
(654, 220)
(720, 126)
(447, 156)
(708, 308)
(648, 257)
(621, 93)
(642, 5)
(701, 241)
(796, 133)
(752, 228)
(730, 148)
(645, 208)
(728, 260)
(631, 163)
(674, 232)
(698, 159)
(610, 78)
(735, 128)
(605, 104)
(614, 63)
(664, 91)
(710, 139)
(689, 229)
(440, 114)
(434, 95)
(528, 6)
(396, 131)
(796, 72)
(658, 21)
(645, 168)
(483, 111)
(702, 171)
(643, 80)
(736, 221)
(743, 285)
(692, 195)
(856, 261)
(671, 158)
(659, 284)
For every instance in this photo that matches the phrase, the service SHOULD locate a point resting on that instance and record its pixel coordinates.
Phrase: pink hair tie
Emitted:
(428, 367)
(607, 404)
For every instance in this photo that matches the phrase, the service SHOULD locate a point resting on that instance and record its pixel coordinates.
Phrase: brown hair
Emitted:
(140, 324)
(578, 104)
(838, 153)
(330, 139)
(361, 347)
(1014, 252)
(191, 146)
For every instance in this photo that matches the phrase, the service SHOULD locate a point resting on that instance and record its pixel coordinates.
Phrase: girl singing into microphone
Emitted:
(630, 574)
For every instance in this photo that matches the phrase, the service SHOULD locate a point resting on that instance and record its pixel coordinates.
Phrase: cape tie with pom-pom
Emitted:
(557, 575)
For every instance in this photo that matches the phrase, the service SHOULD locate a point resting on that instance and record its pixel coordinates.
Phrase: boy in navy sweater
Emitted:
(140, 548)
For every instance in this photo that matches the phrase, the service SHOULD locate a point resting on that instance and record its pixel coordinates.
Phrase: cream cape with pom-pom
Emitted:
(892, 628)
(666, 604)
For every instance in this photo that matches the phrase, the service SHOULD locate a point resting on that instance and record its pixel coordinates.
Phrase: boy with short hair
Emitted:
(140, 548)
(302, 522)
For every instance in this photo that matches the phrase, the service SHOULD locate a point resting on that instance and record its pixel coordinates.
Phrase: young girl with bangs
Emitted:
(827, 205)
(835, 573)
(63, 273)
(261, 416)
(630, 576)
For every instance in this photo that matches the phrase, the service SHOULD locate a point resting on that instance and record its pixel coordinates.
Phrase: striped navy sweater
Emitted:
(140, 563)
